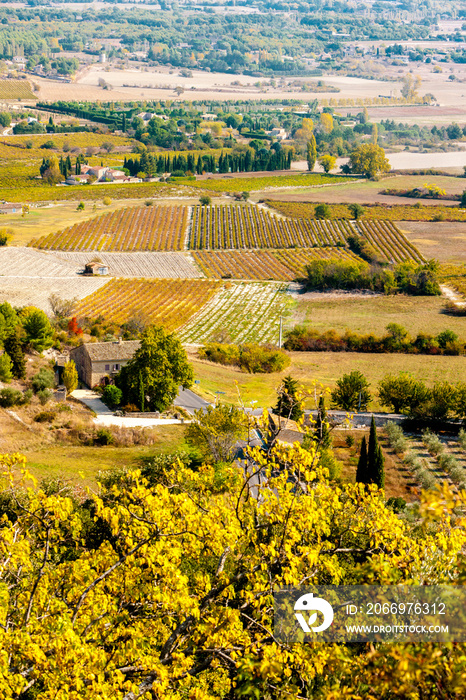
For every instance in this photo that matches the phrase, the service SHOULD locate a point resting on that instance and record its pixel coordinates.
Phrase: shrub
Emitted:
(44, 395)
(10, 397)
(6, 365)
(462, 438)
(45, 416)
(103, 436)
(106, 201)
(349, 441)
(250, 357)
(44, 379)
(395, 436)
(205, 200)
(432, 442)
(112, 395)
(396, 503)
(322, 211)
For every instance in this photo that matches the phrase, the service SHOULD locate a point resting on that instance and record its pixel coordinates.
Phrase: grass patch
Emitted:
(323, 367)
(392, 212)
(69, 461)
(373, 314)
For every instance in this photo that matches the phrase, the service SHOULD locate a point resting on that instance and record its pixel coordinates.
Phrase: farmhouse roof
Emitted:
(118, 350)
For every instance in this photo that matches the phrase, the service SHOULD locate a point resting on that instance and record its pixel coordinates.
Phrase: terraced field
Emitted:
(132, 229)
(170, 303)
(244, 312)
(138, 264)
(286, 264)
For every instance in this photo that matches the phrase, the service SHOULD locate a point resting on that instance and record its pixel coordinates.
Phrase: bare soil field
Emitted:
(27, 291)
(443, 240)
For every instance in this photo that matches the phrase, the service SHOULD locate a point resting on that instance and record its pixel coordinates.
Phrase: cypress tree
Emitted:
(288, 404)
(361, 472)
(372, 451)
(379, 469)
(13, 347)
(322, 432)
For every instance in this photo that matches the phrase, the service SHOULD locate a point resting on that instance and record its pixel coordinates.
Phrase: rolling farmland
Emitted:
(245, 312)
(139, 264)
(170, 303)
(224, 227)
(132, 229)
(286, 264)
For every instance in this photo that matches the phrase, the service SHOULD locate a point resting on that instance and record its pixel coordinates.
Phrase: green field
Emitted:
(72, 461)
(325, 368)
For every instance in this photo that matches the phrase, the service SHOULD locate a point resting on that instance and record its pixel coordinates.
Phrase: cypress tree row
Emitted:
(371, 465)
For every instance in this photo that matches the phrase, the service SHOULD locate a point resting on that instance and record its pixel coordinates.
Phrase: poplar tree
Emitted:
(311, 153)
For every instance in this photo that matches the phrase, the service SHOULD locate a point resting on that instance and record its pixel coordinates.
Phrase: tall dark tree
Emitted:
(375, 459)
(379, 469)
(361, 472)
(322, 431)
(372, 448)
(288, 404)
(13, 347)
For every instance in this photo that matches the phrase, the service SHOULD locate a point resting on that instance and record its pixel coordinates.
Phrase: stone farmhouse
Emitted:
(98, 363)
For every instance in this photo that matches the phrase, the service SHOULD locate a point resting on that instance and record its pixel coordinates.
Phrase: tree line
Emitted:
(396, 340)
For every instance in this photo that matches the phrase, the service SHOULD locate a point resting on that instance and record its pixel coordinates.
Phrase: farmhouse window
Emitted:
(107, 368)
(116, 368)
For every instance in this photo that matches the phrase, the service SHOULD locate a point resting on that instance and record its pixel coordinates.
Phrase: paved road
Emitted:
(190, 401)
(186, 399)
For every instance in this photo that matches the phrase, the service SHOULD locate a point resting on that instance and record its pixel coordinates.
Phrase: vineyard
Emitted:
(229, 227)
(16, 90)
(291, 243)
(387, 238)
(286, 264)
(241, 312)
(153, 265)
(248, 227)
(135, 228)
(170, 303)
(388, 212)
